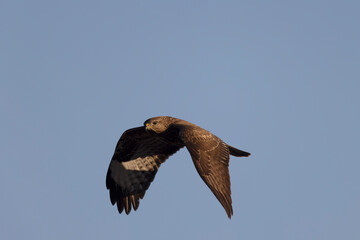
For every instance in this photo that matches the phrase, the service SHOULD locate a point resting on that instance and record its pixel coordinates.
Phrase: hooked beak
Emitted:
(147, 126)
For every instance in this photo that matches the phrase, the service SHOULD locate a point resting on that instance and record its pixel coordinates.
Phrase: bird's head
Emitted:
(158, 124)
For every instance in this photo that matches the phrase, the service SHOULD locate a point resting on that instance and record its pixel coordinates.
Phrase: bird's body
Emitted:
(140, 152)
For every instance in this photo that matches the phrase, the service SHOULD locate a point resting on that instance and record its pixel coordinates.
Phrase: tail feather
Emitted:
(237, 152)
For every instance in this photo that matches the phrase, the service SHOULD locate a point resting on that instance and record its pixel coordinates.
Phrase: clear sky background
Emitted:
(280, 79)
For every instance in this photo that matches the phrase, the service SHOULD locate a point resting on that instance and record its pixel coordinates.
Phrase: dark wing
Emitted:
(137, 157)
(211, 158)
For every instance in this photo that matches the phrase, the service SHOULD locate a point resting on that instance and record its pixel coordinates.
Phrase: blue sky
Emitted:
(279, 79)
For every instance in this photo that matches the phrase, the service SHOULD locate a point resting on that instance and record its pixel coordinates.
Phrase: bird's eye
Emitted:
(154, 123)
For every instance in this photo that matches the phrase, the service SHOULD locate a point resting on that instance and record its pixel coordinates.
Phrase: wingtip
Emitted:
(230, 212)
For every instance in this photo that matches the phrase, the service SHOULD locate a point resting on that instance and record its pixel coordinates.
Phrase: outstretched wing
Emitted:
(211, 158)
(138, 155)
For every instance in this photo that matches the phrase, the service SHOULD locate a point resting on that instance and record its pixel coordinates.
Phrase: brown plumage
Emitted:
(140, 152)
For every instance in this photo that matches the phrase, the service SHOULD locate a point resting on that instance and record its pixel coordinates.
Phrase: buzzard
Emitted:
(141, 150)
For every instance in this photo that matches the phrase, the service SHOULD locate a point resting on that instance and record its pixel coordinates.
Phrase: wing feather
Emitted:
(211, 159)
(137, 158)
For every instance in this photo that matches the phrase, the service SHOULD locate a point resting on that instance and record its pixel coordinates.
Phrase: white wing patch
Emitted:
(132, 174)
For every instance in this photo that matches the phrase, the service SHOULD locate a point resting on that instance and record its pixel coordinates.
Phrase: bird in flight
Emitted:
(140, 151)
